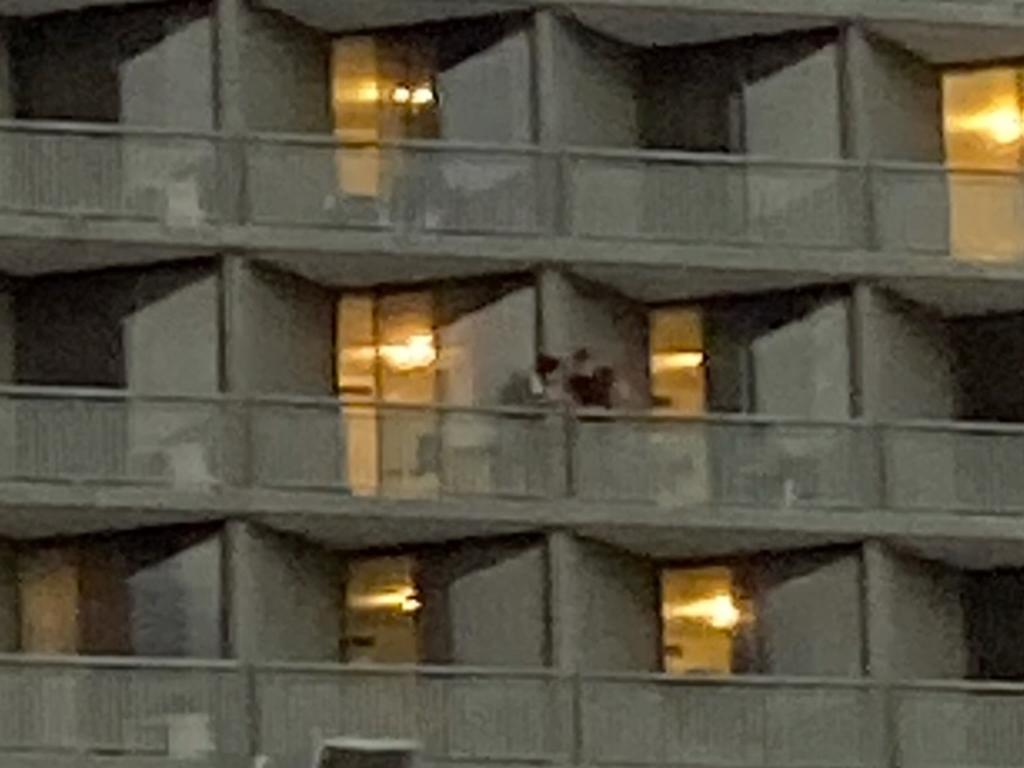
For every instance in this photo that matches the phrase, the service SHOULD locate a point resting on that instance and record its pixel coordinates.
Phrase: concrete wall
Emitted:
(485, 605)
(809, 616)
(177, 603)
(285, 597)
(793, 112)
(916, 624)
(907, 360)
(802, 369)
(487, 96)
(281, 332)
(171, 83)
(577, 314)
(605, 608)
(286, 68)
(895, 106)
(588, 87)
(171, 340)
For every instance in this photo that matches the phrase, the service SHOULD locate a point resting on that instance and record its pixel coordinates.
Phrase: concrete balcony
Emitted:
(310, 447)
(285, 198)
(144, 712)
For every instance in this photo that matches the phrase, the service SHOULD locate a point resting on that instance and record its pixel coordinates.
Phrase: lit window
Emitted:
(702, 616)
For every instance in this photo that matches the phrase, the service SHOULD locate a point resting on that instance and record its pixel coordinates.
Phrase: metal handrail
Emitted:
(617, 415)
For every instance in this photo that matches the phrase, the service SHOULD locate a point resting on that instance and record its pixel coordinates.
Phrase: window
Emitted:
(983, 130)
(703, 615)
(677, 361)
(381, 606)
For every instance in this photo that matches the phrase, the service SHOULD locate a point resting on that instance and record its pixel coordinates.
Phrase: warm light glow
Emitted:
(675, 361)
(368, 92)
(1003, 124)
(422, 96)
(718, 611)
(401, 95)
(418, 351)
(402, 599)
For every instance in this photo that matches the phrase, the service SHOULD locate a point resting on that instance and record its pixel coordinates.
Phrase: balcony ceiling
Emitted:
(43, 7)
(664, 28)
(354, 15)
(946, 44)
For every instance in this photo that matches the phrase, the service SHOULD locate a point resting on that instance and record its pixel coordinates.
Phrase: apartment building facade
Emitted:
(274, 277)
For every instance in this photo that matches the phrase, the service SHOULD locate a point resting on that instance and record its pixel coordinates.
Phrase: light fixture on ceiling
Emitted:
(718, 611)
(417, 351)
(1002, 123)
(402, 599)
(676, 361)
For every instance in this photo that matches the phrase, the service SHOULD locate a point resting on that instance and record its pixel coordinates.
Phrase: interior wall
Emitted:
(286, 74)
(907, 360)
(281, 332)
(286, 597)
(895, 102)
(580, 315)
(606, 608)
(809, 615)
(7, 105)
(916, 622)
(688, 99)
(994, 607)
(484, 605)
(10, 620)
(8, 335)
(989, 351)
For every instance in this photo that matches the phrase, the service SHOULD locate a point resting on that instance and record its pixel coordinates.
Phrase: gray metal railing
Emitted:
(56, 435)
(225, 713)
(189, 179)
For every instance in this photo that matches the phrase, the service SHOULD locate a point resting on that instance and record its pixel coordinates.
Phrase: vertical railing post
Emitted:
(879, 443)
(253, 725)
(577, 725)
(563, 189)
(570, 438)
(886, 707)
(870, 228)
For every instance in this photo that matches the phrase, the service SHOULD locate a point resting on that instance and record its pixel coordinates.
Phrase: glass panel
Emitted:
(983, 129)
(677, 361)
(381, 604)
(701, 614)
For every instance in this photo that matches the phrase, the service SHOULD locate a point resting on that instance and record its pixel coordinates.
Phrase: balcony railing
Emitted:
(433, 188)
(431, 452)
(222, 713)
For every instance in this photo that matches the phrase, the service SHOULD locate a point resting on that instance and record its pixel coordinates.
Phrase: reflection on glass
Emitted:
(460, 346)
(381, 606)
(382, 90)
(145, 594)
(983, 128)
(702, 613)
(677, 361)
